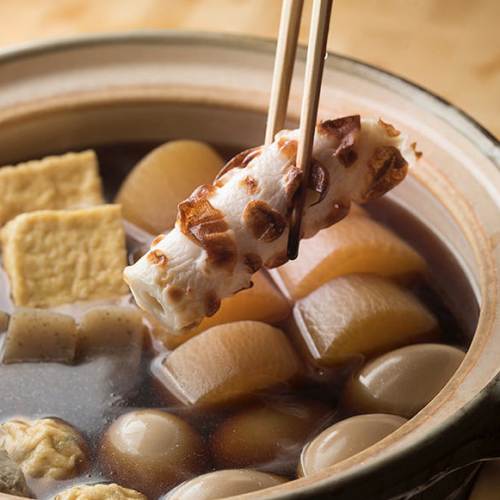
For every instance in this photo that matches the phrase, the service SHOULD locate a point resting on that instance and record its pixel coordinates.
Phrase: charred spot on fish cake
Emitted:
(205, 191)
(265, 223)
(347, 131)
(222, 251)
(253, 261)
(418, 154)
(212, 303)
(241, 160)
(337, 212)
(158, 258)
(157, 240)
(199, 219)
(205, 226)
(251, 184)
(288, 147)
(390, 130)
(175, 293)
(387, 168)
(319, 180)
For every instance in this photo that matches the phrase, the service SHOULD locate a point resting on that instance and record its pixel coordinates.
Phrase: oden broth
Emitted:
(91, 394)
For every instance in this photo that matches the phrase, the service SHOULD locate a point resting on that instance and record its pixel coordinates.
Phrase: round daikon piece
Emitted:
(169, 174)
(227, 361)
(357, 244)
(359, 314)
(263, 302)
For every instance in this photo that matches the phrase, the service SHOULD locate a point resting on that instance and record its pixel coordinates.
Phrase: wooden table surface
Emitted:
(451, 47)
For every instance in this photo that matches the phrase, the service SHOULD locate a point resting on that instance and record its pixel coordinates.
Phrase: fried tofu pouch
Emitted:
(56, 182)
(227, 231)
(85, 248)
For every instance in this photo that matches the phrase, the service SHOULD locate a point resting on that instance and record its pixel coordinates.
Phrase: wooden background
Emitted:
(451, 47)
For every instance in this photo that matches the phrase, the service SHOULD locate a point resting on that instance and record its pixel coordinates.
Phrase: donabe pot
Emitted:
(74, 93)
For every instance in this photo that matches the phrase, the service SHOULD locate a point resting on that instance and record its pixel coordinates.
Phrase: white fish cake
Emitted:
(55, 182)
(39, 335)
(57, 257)
(227, 231)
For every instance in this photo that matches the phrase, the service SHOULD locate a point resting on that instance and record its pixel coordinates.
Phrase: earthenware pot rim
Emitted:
(247, 42)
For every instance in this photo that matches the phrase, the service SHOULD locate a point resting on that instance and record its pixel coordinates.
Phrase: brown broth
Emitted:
(92, 394)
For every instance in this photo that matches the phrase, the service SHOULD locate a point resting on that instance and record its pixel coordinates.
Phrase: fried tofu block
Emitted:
(39, 335)
(56, 182)
(57, 256)
(110, 328)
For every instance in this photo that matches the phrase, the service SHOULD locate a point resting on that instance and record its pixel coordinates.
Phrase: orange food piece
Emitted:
(356, 244)
(359, 314)
(227, 361)
(157, 184)
(266, 434)
(263, 302)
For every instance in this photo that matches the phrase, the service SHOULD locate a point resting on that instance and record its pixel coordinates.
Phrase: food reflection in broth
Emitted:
(117, 380)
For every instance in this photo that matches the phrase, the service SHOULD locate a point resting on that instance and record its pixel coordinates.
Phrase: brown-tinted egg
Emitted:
(152, 451)
(403, 381)
(223, 484)
(344, 439)
(268, 436)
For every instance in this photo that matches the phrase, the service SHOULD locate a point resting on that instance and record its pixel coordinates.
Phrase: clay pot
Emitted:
(69, 94)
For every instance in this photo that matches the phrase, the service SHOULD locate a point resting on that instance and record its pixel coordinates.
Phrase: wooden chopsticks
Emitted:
(286, 49)
(283, 69)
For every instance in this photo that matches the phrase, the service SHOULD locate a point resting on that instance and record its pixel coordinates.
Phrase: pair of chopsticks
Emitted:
(280, 90)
